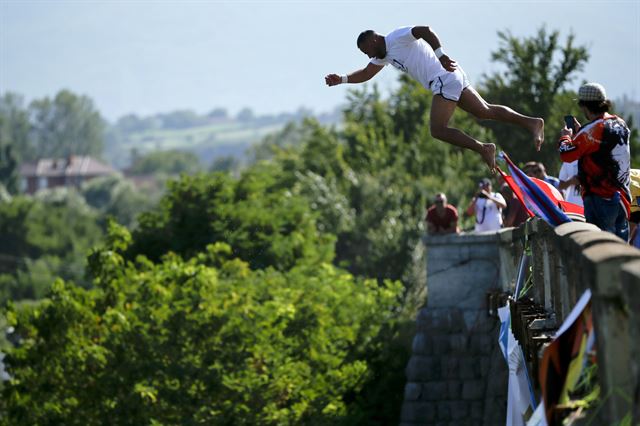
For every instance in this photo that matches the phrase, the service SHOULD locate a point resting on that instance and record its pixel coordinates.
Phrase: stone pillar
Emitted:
(457, 375)
(601, 266)
(631, 290)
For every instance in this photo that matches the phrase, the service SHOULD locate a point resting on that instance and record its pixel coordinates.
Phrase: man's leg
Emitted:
(441, 112)
(605, 214)
(473, 103)
(622, 225)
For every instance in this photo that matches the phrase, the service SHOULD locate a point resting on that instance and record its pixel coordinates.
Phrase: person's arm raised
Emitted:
(359, 76)
(432, 39)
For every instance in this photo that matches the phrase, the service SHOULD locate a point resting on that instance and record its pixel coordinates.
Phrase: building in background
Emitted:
(61, 172)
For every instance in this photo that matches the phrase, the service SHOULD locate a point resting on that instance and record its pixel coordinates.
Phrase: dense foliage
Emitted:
(44, 238)
(117, 198)
(201, 341)
(264, 225)
(171, 162)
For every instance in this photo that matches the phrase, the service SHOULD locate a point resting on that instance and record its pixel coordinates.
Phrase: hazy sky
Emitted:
(157, 56)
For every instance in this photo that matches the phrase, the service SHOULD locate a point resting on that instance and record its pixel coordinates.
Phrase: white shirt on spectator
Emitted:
(570, 193)
(488, 215)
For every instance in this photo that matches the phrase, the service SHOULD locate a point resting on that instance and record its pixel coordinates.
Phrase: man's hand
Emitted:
(483, 193)
(566, 132)
(333, 79)
(448, 63)
(569, 132)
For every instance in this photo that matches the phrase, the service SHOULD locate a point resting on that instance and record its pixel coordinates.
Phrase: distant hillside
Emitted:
(209, 137)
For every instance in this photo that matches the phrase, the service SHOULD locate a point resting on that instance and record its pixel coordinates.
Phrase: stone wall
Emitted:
(457, 374)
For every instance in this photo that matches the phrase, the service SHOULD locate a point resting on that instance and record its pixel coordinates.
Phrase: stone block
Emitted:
(459, 410)
(473, 390)
(495, 412)
(420, 344)
(457, 319)
(434, 391)
(454, 389)
(444, 411)
(449, 367)
(437, 321)
(439, 344)
(481, 344)
(412, 391)
(422, 413)
(476, 411)
(486, 325)
(497, 381)
(469, 368)
(485, 365)
(467, 422)
(423, 369)
(458, 343)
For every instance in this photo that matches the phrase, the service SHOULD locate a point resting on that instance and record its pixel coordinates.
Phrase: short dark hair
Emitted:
(364, 36)
(596, 107)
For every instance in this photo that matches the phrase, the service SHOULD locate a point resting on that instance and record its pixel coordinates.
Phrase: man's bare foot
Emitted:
(488, 154)
(538, 132)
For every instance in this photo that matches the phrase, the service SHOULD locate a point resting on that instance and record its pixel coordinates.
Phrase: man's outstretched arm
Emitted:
(432, 39)
(359, 76)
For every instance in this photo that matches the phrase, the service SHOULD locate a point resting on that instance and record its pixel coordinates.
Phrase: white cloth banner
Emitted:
(520, 399)
(538, 418)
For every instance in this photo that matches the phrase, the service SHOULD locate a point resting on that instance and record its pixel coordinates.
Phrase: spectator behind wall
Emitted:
(514, 214)
(441, 218)
(487, 207)
(569, 183)
(602, 146)
(537, 170)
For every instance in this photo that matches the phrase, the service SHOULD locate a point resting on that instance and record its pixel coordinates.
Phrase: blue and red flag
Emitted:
(539, 198)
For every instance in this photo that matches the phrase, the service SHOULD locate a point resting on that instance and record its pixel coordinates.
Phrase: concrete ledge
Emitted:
(587, 239)
(610, 251)
(573, 227)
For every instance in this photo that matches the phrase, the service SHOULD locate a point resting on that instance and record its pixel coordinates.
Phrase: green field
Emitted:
(210, 135)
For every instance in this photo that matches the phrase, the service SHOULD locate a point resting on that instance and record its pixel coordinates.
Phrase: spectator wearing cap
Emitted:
(601, 147)
(537, 170)
(487, 207)
(441, 218)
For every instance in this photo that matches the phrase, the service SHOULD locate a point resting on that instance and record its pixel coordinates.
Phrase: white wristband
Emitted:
(345, 78)
(439, 52)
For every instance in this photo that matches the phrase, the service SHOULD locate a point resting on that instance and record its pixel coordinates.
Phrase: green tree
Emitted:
(265, 225)
(14, 139)
(203, 341)
(68, 124)
(117, 197)
(536, 72)
(227, 163)
(43, 238)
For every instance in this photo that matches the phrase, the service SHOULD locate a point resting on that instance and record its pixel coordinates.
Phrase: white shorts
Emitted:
(450, 85)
